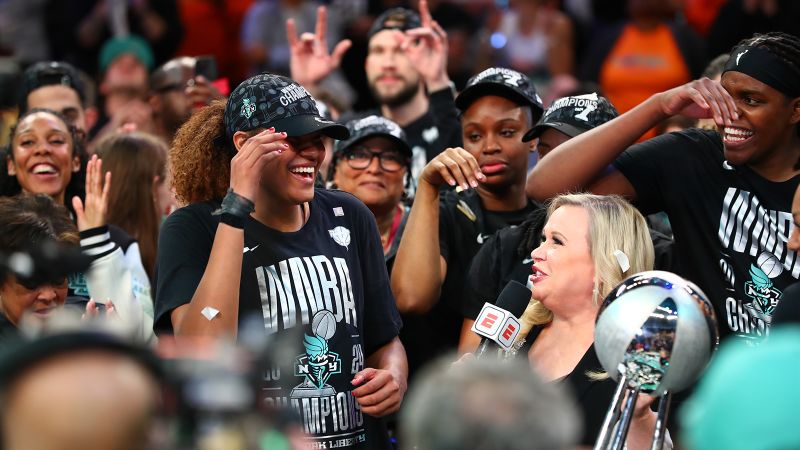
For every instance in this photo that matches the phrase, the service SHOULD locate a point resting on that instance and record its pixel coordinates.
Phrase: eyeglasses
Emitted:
(361, 157)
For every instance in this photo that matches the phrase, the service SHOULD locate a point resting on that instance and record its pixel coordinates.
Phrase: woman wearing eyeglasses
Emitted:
(373, 164)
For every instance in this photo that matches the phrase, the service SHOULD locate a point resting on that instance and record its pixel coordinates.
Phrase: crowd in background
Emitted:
(142, 142)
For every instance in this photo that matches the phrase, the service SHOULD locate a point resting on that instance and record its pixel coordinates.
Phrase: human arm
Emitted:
(581, 161)
(382, 385)
(310, 61)
(218, 288)
(426, 49)
(560, 54)
(419, 269)
(114, 276)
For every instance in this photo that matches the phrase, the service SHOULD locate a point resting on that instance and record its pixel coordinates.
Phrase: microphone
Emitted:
(498, 323)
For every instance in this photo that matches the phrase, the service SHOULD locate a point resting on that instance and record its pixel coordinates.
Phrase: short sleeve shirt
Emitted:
(322, 291)
(731, 225)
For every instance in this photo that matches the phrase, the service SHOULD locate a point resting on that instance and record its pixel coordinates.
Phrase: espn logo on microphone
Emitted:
(498, 325)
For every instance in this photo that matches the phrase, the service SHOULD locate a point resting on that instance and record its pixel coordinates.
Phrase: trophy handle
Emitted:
(621, 433)
(612, 416)
(661, 421)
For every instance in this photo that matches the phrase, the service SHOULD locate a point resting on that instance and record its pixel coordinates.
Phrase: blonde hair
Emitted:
(614, 224)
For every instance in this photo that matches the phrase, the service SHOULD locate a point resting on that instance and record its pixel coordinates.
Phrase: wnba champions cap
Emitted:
(370, 126)
(574, 115)
(503, 83)
(267, 100)
(401, 19)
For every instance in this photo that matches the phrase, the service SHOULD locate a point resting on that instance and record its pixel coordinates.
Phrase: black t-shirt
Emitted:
(463, 227)
(324, 287)
(499, 261)
(731, 225)
(593, 397)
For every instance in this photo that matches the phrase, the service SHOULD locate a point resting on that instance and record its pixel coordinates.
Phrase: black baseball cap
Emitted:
(574, 115)
(370, 126)
(269, 100)
(401, 19)
(504, 83)
(48, 73)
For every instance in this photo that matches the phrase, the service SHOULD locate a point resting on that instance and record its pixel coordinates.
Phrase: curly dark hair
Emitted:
(200, 164)
(9, 186)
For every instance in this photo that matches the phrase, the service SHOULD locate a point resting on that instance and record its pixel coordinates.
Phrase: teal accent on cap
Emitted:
(748, 397)
(118, 46)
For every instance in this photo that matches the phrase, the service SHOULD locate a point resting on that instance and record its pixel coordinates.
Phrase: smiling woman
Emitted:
(260, 244)
(45, 156)
(728, 192)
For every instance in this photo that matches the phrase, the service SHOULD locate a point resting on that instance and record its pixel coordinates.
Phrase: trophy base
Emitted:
(303, 391)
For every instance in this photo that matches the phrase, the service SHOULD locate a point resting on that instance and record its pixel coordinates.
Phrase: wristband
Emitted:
(236, 205)
(232, 220)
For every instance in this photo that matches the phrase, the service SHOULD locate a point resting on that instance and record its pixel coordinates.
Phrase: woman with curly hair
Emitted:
(260, 242)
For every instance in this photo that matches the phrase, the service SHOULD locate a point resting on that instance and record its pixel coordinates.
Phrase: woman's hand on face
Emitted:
(700, 99)
(454, 166)
(254, 154)
(91, 213)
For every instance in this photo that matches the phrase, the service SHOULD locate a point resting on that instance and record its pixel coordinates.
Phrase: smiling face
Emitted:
(492, 130)
(40, 301)
(289, 178)
(392, 79)
(379, 189)
(767, 122)
(43, 158)
(563, 269)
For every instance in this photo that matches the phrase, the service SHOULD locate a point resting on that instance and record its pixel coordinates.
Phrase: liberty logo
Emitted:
(739, 56)
(763, 295)
(247, 109)
(318, 363)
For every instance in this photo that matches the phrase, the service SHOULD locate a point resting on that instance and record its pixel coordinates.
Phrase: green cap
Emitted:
(118, 46)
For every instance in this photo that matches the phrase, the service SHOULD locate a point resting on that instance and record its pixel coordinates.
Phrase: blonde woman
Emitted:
(590, 243)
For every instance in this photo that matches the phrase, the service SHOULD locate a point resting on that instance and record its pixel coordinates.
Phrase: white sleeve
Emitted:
(121, 278)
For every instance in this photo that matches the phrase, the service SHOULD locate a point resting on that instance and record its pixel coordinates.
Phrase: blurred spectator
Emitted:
(740, 19)
(212, 27)
(701, 14)
(58, 86)
(139, 204)
(176, 90)
(535, 39)
(10, 84)
(124, 66)
(265, 46)
(645, 55)
(78, 390)
(407, 72)
(22, 30)
(77, 29)
(483, 404)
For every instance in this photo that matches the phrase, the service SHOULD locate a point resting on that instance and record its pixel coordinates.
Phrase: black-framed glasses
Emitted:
(361, 157)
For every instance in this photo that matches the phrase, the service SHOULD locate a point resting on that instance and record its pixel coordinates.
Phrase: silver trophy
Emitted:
(655, 333)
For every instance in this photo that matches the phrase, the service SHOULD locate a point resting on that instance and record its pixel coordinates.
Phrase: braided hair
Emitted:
(784, 46)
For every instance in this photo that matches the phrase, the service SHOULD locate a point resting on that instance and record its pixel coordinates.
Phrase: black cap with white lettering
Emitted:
(501, 82)
(268, 100)
(574, 115)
